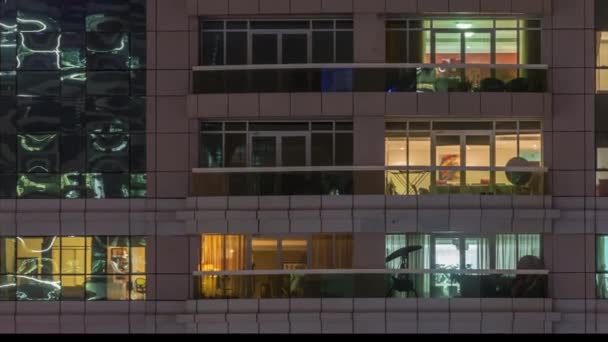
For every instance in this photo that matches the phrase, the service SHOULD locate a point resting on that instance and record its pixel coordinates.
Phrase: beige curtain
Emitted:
(212, 247)
(344, 251)
(322, 251)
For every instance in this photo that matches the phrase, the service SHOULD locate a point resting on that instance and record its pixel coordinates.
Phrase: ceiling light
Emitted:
(464, 26)
(469, 34)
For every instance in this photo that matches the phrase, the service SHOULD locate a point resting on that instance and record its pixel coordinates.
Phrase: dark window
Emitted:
(236, 48)
(211, 150)
(322, 47)
(322, 147)
(344, 47)
(212, 48)
(344, 149)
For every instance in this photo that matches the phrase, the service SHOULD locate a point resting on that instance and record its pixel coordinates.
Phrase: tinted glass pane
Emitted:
(108, 152)
(107, 15)
(72, 116)
(107, 51)
(38, 153)
(344, 47)
(38, 114)
(8, 57)
(8, 153)
(73, 15)
(278, 126)
(38, 83)
(211, 150)
(322, 147)
(236, 126)
(236, 25)
(108, 83)
(236, 150)
(8, 115)
(236, 48)
(295, 48)
(212, 25)
(73, 151)
(531, 125)
(138, 153)
(42, 15)
(322, 47)
(38, 185)
(109, 114)
(212, 52)
(280, 25)
(344, 149)
(36, 51)
(344, 126)
(108, 185)
(138, 51)
(264, 48)
(322, 24)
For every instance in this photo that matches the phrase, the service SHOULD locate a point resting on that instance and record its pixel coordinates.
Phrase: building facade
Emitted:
(303, 166)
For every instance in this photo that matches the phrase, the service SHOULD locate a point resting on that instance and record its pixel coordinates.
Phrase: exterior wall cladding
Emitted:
(168, 221)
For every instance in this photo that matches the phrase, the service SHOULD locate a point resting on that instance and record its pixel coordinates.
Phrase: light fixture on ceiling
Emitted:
(469, 34)
(464, 26)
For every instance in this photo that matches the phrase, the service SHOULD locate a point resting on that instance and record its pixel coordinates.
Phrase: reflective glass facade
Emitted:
(72, 268)
(72, 106)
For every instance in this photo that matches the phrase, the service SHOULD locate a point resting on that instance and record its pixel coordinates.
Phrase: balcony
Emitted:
(381, 77)
(368, 180)
(370, 283)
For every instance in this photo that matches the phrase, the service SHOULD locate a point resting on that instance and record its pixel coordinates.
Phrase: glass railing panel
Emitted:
(380, 284)
(398, 181)
(369, 78)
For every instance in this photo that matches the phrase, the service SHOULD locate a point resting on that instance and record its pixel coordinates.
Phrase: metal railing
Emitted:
(370, 283)
(368, 180)
(369, 77)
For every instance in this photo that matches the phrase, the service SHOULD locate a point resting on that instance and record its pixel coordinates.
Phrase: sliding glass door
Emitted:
(279, 149)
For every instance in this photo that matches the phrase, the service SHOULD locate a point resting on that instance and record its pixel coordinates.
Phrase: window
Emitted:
(274, 144)
(601, 62)
(451, 148)
(70, 71)
(269, 252)
(464, 252)
(73, 268)
(601, 145)
(463, 40)
(239, 42)
(602, 266)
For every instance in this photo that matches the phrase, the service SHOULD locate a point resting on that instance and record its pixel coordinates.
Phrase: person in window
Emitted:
(529, 285)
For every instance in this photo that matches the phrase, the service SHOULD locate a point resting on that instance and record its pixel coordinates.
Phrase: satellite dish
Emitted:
(518, 178)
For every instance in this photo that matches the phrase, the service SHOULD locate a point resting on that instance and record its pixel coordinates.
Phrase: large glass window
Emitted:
(271, 144)
(269, 252)
(601, 264)
(463, 252)
(239, 42)
(73, 268)
(463, 40)
(441, 155)
(601, 78)
(69, 70)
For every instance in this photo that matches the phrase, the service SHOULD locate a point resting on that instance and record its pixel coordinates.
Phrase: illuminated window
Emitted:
(73, 268)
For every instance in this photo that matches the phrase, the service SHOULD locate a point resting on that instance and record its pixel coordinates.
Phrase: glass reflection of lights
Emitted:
(41, 41)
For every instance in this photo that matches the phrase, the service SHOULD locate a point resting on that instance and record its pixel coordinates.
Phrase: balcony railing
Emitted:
(370, 283)
(368, 180)
(381, 77)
